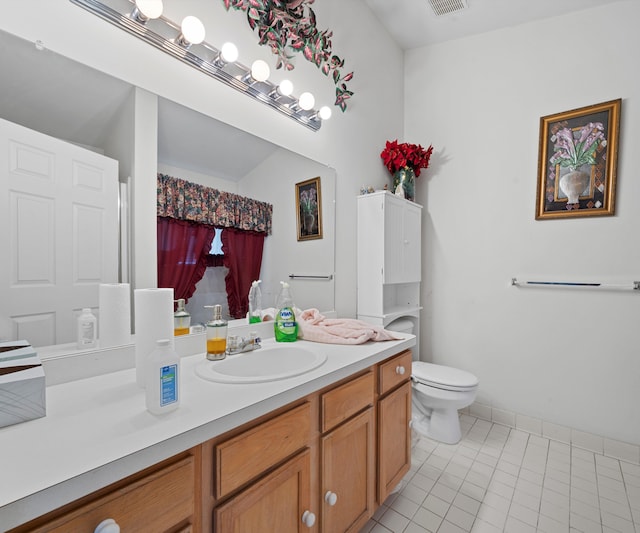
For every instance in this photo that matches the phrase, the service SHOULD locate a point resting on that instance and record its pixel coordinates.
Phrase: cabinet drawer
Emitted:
(247, 455)
(158, 502)
(346, 400)
(394, 372)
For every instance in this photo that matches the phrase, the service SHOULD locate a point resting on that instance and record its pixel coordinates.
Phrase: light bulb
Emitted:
(325, 112)
(260, 70)
(306, 101)
(229, 52)
(193, 31)
(285, 88)
(148, 9)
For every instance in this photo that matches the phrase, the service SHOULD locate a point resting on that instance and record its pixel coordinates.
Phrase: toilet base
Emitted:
(443, 425)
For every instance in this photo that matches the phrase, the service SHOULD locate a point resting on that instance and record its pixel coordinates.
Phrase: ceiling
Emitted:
(412, 23)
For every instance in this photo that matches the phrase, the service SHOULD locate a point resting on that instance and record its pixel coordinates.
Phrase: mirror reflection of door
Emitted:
(62, 214)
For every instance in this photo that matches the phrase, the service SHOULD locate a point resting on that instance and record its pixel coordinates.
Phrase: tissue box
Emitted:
(22, 383)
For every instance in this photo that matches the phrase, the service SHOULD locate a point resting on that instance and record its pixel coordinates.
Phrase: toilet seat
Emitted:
(442, 377)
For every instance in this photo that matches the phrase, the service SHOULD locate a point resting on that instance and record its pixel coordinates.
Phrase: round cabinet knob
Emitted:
(331, 498)
(107, 526)
(308, 518)
(406, 241)
(400, 370)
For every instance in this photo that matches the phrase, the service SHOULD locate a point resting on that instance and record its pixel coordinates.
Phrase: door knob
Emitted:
(400, 370)
(107, 526)
(331, 498)
(308, 518)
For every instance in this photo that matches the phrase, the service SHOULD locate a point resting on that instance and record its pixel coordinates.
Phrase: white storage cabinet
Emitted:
(389, 259)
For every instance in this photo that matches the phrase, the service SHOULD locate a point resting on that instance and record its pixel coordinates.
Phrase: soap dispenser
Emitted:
(285, 327)
(216, 334)
(181, 319)
(255, 302)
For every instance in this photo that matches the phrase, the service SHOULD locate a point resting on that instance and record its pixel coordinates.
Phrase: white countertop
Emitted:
(97, 430)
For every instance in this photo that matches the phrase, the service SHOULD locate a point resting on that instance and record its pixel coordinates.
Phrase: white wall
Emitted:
(350, 142)
(568, 357)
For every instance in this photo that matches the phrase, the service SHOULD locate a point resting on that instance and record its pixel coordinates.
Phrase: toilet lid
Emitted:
(443, 377)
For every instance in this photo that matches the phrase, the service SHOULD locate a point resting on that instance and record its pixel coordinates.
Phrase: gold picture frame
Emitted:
(309, 209)
(577, 160)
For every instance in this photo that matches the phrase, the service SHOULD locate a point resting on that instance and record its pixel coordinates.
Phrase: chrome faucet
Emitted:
(237, 344)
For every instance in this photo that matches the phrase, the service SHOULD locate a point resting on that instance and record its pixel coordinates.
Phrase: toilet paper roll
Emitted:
(154, 321)
(114, 323)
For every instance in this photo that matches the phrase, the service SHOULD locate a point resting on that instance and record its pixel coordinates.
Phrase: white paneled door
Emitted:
(59, 238)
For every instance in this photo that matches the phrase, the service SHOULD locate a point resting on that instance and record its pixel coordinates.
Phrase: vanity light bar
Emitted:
(164, 35)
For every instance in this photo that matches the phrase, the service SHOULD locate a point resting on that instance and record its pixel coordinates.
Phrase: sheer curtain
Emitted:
(243, 257)
(183, 248)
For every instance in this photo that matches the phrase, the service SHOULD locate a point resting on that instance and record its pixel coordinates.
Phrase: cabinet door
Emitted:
(393, 240)
(402, 246)
(162, 501)
(275, 504)
(394, 439)
(348, 475)
(411, 244)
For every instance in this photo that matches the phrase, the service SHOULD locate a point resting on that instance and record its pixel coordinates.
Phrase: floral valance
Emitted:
(184, 200)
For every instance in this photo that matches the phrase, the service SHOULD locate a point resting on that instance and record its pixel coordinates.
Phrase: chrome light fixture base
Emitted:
(165, 35)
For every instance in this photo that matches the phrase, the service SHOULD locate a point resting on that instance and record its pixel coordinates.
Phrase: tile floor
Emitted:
(500, 479)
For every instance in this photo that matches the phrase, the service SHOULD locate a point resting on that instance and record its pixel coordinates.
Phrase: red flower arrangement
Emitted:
(396, 156)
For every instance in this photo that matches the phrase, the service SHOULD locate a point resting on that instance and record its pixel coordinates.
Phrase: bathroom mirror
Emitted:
(51, 94)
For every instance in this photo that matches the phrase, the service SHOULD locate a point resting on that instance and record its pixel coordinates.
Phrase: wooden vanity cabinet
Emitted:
(164, 498)
(394, 415)
(320, 464)
(347, 455)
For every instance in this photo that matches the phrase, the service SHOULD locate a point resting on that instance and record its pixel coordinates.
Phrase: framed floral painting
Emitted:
(309, 209)
(577, 161)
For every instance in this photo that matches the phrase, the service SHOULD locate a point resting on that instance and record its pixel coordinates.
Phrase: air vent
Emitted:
(446, 7)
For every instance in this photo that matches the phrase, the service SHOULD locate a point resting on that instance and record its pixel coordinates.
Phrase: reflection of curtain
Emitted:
(243, 257)
(182, 254)
(183, 200)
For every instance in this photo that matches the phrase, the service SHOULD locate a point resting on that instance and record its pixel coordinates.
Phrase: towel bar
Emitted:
(634, 285)
(304, 276)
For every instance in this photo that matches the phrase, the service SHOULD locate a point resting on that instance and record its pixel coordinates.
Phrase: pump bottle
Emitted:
(216, 334)
(285, 327)
(255, 302)
(181, 319)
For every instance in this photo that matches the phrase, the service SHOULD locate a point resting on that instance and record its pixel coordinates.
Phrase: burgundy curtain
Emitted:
(243, 257)
(182, 254)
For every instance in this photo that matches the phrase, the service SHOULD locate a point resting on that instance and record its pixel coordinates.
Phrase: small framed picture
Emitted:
(577, 161)
(309, 209)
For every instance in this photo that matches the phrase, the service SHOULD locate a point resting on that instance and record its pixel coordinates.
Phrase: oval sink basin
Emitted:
(269, 363)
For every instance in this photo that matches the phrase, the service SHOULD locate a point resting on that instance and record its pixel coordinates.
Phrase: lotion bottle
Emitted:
(87, 330)
(163, 379)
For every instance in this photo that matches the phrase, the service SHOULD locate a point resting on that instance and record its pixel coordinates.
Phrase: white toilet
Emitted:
(438, 392)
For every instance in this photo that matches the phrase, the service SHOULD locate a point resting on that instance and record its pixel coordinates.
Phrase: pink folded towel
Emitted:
(315, 327)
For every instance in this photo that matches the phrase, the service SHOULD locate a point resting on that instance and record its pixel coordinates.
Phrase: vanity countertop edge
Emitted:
(98, 431)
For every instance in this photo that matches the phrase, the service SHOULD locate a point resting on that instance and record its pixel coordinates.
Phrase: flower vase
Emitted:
(574, 184)
(309, 222)
(404, 183)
